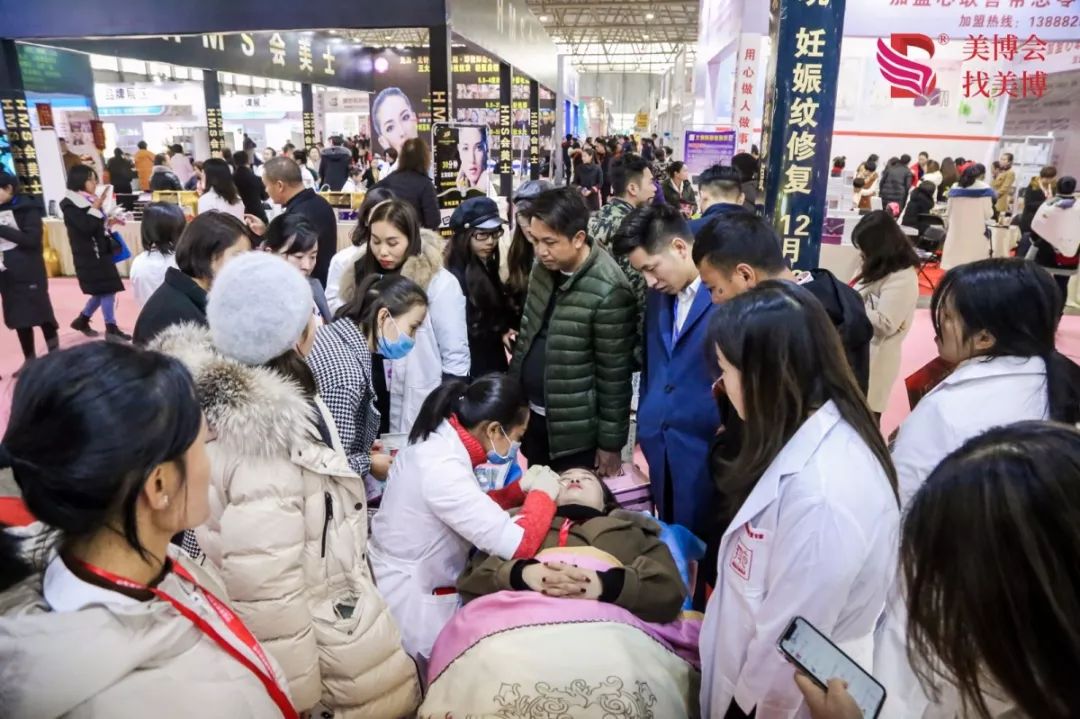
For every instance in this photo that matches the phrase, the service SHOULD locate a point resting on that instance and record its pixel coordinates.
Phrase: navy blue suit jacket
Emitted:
(677, 415)
(714, 211)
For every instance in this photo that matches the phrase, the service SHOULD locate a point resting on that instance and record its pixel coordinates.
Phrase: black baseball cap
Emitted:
(476, 213)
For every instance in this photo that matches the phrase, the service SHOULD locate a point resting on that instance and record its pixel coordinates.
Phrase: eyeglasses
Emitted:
(486, 235)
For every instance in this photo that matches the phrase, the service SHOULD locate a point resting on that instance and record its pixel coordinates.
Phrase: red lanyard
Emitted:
(564, 532)
(242, 633)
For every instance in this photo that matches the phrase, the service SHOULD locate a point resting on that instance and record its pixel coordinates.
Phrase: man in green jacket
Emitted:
(631, 187)
(574, 353)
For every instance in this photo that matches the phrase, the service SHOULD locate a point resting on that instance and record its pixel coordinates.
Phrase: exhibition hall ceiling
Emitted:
(620, 35)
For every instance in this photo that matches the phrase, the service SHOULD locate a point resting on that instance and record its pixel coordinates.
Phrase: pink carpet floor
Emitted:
(68, 300)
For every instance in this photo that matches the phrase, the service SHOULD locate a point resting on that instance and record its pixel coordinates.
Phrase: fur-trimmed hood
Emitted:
(255, 411)
(421, 268)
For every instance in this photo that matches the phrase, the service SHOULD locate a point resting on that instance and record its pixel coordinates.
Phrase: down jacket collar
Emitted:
(255, 411)
(107, 659)
(421, 268)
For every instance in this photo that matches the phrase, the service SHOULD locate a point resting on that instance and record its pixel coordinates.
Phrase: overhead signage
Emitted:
(49, 71)
(294, 56)
(1049, 19)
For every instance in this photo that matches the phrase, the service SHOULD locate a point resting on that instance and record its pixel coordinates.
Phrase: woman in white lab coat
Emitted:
(815, 519)
(996, 320)
(397, 246)
(1012, 492)
(434, 512)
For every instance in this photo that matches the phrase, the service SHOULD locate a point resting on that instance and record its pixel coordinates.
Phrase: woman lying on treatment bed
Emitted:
(592, 530)
(632, 644)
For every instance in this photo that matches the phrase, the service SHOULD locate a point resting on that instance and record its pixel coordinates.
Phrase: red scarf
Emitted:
(477, 453)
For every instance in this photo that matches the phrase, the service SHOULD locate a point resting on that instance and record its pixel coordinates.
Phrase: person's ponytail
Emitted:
(439, 405)
(491, 398)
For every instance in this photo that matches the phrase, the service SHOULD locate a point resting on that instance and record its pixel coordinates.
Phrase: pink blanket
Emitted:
(504, 611)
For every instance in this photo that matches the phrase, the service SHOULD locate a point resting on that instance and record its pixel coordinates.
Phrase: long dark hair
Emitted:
(483, 287)
(374, 196)
(885, 247)
(949, 175)
(395, 293)
(519, 264)
(220, 180)
(1003, 617)
(971, 174)
(162, 225)
(491, 398)
(401, 215)
(88, 425)
(792, 362)
(1019, 304)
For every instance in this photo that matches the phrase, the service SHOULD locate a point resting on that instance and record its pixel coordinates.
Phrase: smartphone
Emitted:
(813, 653)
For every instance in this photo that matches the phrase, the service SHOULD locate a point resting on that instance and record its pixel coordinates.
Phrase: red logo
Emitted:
(741, 560)
(909, 79)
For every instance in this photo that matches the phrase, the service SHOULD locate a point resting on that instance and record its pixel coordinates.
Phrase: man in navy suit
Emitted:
(677, 415)
(721, 194)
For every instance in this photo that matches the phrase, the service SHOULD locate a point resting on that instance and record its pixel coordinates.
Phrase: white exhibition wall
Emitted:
(868, 120)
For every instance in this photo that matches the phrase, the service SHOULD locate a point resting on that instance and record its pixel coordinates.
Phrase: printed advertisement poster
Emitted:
(705, 149)
(460, 154)
(401, 108)
(547, 123)
(475, 86)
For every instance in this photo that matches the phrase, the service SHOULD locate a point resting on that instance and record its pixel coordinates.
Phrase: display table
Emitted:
(57, 236)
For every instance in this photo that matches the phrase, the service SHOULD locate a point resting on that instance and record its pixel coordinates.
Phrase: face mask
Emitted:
(496, 458)
(396, 349)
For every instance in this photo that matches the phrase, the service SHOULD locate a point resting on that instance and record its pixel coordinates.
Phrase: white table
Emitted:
(57, 236)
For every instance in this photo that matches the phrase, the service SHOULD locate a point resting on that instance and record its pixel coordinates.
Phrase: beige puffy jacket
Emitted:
(288, 532)
(119, 659)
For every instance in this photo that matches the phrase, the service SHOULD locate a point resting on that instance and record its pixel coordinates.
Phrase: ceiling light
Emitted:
(645, 36)
(544, 18)
(649, 16)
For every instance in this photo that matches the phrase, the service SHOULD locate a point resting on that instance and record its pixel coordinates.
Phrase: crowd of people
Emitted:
(269, 503)
(957, 193)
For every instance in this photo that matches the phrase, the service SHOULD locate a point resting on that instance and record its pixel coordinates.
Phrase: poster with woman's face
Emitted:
(400, 107)
(393, 118)
(472, 149)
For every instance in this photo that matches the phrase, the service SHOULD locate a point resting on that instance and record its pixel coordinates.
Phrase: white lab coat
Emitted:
(342, 262)
(432, 514)
(817, 538)
(442, 347)
(979, 394)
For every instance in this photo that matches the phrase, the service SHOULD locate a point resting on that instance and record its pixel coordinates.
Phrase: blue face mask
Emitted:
(396, 349)
(511, 455)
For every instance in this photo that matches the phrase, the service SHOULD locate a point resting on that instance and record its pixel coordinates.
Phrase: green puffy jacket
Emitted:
(590, 349)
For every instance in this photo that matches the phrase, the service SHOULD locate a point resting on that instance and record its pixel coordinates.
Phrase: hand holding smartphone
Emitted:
(822, 661)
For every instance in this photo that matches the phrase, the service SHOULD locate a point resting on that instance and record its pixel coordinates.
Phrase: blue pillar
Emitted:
(797, 137)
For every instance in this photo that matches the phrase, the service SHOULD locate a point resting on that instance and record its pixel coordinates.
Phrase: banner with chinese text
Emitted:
(806, 61)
